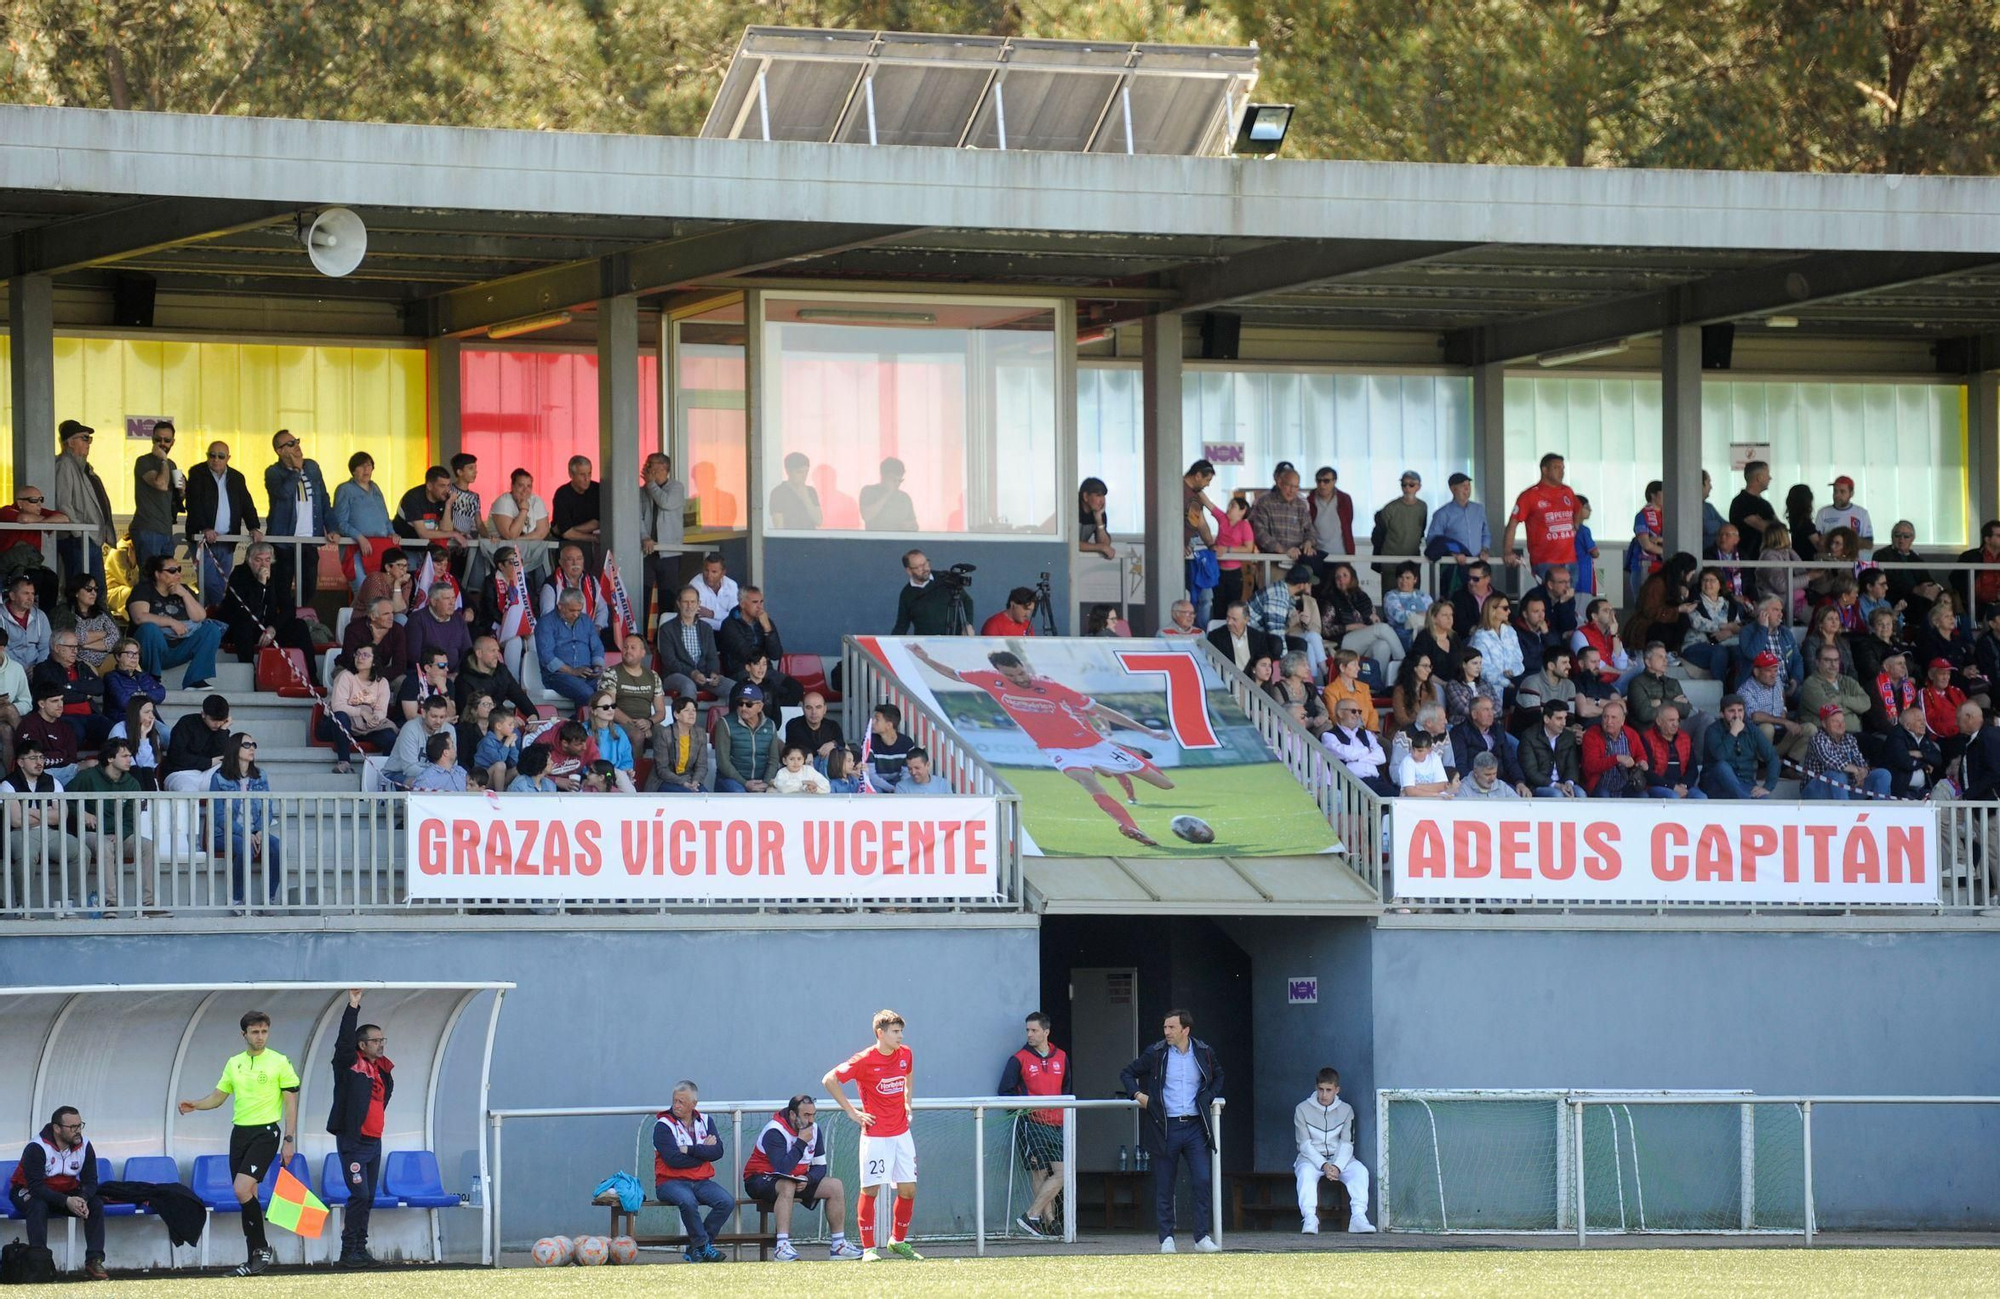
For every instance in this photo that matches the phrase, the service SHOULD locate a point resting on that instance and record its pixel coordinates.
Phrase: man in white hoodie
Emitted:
(1323, 1129)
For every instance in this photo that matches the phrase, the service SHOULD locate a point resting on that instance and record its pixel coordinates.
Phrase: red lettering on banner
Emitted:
(1822, 851)
(1426, 851)
(893, 862)
(1513, 844)
(1759, 842)
(430, 834)
(862, 860)
(464, 847)
(1668, 863)
(820, 841)
(770, 848)
(1556, 862)
(1712, 855)
(923, 847)
(555, 850)
(1601, 837)
(1788, 842)
(977, 861)
(520, 851)
(1909, 853)
(740, 860)
(635, 837)
(1471, 850)
(1187, 699)
(589, 853)
(1861, 856)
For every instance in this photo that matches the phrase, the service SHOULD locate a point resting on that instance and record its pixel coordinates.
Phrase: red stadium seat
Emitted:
(810, 673)
(282, 671)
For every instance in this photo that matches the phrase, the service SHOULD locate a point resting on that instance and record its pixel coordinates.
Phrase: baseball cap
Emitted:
(1456, 479)
(70, 428)
(1937, 663)
(1765, 660)
(1828, 710)
(1411, 475)
(748, 695)
(1843, 481)
(1300, 573)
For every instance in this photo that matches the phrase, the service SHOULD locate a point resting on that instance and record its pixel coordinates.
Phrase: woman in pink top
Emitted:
(1233, 537)
(357, 711)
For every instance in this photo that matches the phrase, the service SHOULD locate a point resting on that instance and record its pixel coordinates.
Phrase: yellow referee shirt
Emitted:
(258, 1083)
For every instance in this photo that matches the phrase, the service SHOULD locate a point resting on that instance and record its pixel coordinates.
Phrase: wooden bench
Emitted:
(765, 1238)
(1267, 1201)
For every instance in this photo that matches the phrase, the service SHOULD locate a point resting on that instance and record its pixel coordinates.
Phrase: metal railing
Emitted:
(730, 1172)
(866, 683)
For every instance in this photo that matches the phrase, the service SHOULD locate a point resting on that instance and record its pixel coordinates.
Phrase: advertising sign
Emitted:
(1118, 747)
(701, 848)
(1832, 854)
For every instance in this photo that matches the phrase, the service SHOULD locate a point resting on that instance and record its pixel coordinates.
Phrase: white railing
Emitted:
(729, 1173)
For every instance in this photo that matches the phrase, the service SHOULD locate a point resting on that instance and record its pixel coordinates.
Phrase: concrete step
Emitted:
(230, 677)
(248, 708)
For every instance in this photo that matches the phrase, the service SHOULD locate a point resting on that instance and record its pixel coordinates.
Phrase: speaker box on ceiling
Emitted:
(1221, 335)
(132, 300)
(1717, 341)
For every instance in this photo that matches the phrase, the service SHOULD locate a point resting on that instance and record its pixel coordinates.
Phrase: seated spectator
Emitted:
(1485, 781)
(361, 512)
(1405, 607)
(17, 700)
(1295, 686)
(46, 727)
(430, 679)
(1943, 703)
(1769, 633)
(1480, 733)
(485, 673)
(390, 582)
(114, 822)
(532, 778)
(1737, 760)
(1979, 764)
(249, 825)
(1714, 625)
(1944, 638)
(1475, 587)
(1415, 689)
(843, 770)
(1532, 631)
(440, 772)
(798, 776)
(1439, 641)
(1497, 644)
(639, 696)
(1895, 690)
(1348, 620)
(1823, 629)
(688, 653)
(816, 732)
(1986, 647)
(1614, 667)
(127, 679)
(1263, 671)
(1764, 704)
(1102, 620)
(1236, 640)
(1552, 683)
(571, 579)
(380, 632)
(1828, 685)
(83, 612)
(571, 655)
(1614, 762)
(682, 760)
(1420, 770)
(571, 752)
(171, 625)
(260, 614)
(1671, 765)
(82, 690)
(613, 744)
(1351, 742)
(28, 629)
(756, 672)
(1558, 595)
(498, 757)
(719, 593)
(1725, 555)
(141, 727)
(505, 609)
(748, 633)
(357, 711)
(196, 745)
(21, 548)
(1834, 766)
(1551, 755)
(685, 1148)
(919, 777)
(1665, 605)
(407, 754)
(888, 747)
(1591, 687)
(1470, 685)
(35, 832)
(58, 1176)
(1430, 720)
(1180, 621)
(1787, 583)
(746, 746)
(1873, 646)
(1346, 685)
(600, 777)
(438, 625)
(1653, 687)
(1276, 613)
(1828, 585)
(1912, 589)
(473, 722)
(1914, 760)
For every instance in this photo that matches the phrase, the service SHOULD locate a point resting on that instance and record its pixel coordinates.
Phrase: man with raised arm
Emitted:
(363, 1081)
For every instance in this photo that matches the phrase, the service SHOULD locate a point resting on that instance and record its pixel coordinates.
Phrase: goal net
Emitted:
(1507, 1161)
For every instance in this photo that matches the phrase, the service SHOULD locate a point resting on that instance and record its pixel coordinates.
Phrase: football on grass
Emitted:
(1193, 829)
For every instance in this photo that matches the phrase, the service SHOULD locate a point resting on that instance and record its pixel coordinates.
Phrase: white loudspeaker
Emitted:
(336, 241)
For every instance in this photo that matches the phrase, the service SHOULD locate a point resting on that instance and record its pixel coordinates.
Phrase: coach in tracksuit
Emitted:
(363, 1081)
(1323, 1131)
(57, 1176)
(1175, 1080)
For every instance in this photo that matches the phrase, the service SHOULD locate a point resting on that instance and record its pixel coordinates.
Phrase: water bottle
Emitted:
(1124, 1159)
(90, 907)
(1145, 1159)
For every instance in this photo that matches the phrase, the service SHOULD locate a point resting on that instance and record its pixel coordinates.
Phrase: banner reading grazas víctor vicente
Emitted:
(1834, 854)
(701, 848)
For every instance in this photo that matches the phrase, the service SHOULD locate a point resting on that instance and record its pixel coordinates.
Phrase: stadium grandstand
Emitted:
(473, 566)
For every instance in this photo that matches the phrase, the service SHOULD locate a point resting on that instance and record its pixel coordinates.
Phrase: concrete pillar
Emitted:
(619, 453)
(443, 404)
(1982, 461)
(753, 428)
(32, 360)
(1680, 436)
(1489, 446)
(1160, 366)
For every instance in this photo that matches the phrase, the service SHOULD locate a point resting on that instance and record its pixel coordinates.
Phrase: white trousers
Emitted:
(1377, 641)
(1354, 1177)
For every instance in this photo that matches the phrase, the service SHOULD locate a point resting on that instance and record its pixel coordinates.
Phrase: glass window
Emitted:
(910, 417)
(710, 413)
(533, 410)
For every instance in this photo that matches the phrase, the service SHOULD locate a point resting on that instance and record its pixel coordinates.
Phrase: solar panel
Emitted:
(982, 92)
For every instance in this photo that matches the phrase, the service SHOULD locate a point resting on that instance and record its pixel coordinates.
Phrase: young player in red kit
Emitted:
(888, 1152)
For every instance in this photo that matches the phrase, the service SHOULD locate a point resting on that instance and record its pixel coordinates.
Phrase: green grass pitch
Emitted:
(1256, 810)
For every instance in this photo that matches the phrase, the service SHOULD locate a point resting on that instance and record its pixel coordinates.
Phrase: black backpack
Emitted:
(25, 1264)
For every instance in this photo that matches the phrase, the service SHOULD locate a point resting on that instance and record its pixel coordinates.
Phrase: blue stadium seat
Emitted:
(7, 1167)
(269, 1186)
(412, 1177)
(212, 1183)
(333, 1186)
(144, 1168)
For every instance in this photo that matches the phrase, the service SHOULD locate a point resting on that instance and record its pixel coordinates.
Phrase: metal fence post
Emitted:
(1576, 1141)
(736, 1133)
(1069, 1175)
(494, 1224)
(1215, 1172)
(1806, 1136)
(979, 1174)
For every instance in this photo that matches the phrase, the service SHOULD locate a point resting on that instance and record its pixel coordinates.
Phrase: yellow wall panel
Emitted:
(6, 419)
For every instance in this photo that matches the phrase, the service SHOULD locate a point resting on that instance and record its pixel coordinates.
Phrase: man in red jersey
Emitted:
(1063, 725)
(888, 1152)
(1041, 1068)
(1549, 510)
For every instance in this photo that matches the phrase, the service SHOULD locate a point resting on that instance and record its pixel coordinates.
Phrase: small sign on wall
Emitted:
(1221, 454)
(1302, 992)
(1742, 453)
(139, 428)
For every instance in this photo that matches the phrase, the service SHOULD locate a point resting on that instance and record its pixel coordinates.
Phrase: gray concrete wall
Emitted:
(607, 1018)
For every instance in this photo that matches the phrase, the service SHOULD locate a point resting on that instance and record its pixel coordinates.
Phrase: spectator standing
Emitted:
(1846, 512)
(1833, 764)
(1018, 618)
(574, 511)
(1458, 534)
(467, 514)
(357, 710)
(1671, 766)
(361, 514)
(57, 1175)
(1799, 516)
(1711, 518)
(926, 606)
(1649, 537)
(1551, 755)
(1175, 1081)
(1281, 521)
(794, 505)
(1233, 536)
(246, 828)
(1750, 512)
(746, 748)
(522, 517)
(1332, 513)
(884, 505)
(1737, 760)
(218, 505)
(79, 493)
(1198, 540)
(82, 611)
(28, 629)
(259, 613)
(423, 517)
(171, 627)
(662, 528)
(685, 1148)
(1093, 525)
(1586, 549)
(158, 489)
(1039, 1068)
(1549, 509)
(301, 507)
(364, 1080)
(1400, 525)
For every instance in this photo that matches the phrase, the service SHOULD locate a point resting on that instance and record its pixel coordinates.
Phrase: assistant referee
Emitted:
(266, 1088)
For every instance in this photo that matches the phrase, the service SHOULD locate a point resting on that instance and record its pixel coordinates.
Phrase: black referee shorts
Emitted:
(1039, 1144)
(253, 1149)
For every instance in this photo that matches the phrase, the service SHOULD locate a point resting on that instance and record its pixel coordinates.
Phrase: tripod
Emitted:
(1045, 613)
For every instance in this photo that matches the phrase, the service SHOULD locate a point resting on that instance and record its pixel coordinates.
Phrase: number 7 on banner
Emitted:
(1187, 699)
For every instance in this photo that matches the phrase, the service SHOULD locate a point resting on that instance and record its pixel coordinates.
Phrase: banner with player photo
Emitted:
(1118, 748)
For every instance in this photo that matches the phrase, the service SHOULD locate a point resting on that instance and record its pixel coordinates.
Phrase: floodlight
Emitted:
(1263, 128)
(528, 325)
